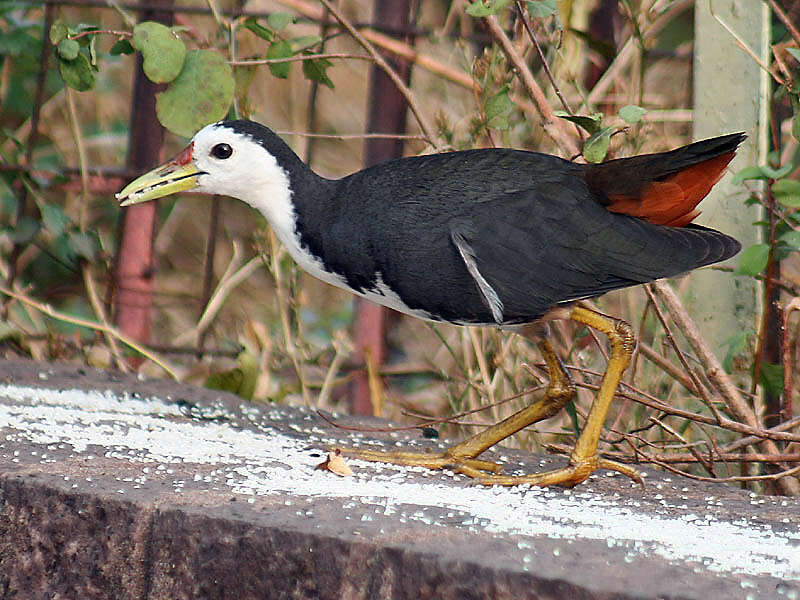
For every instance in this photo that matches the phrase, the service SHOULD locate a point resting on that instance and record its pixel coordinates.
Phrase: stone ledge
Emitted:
(110, 491)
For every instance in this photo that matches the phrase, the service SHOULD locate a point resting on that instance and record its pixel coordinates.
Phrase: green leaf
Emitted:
(771, 378)
(748, 173)
(498, 109)
(777, 173)
(786, 186)
(9, 330)
(737, 344)
(539, 9)
(279, 20)
(484, 8)
(243, 78)
(25, 231)
(573, 416)
(316, 70)
(279, 49)
(54, 219)
(77, 73)
(304, 42)
(604, 49)
(753, 260)
(201, 94)
(596, 147)
(796, 126)
(795, 52)
(58, 32)
(632, 114)
(792, 239)
(17, 42)
(82, 244)
(789, 200)
(253, 25)
(68, 49)
(121, 47)
(592, 123)
(93, 52)
(240, 380)
(81, 28)
(787, 192)
(162, 51)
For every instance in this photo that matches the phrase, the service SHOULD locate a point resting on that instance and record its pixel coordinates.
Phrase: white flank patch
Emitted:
(257, 463)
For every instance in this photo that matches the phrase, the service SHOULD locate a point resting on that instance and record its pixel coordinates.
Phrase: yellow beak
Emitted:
(178, 175)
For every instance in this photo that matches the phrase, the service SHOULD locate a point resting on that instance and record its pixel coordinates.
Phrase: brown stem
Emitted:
(429, 132)
(786, 360)
(704, 395)
(553, 126)
(734, 400)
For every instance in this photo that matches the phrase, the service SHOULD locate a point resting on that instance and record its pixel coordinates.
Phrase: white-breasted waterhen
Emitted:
(493, 237)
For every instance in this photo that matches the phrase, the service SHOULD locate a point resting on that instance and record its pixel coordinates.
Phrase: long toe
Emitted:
(568, 476)
(440, 460)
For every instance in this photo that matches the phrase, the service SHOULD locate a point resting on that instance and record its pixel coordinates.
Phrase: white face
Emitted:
(236, 166)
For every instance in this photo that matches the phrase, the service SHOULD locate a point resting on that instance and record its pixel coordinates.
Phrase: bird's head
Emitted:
(230, 158)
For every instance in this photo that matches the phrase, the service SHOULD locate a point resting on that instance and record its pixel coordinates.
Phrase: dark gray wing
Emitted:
(557, 244)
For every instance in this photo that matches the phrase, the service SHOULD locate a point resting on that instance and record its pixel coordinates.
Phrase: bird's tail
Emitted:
(663, 188)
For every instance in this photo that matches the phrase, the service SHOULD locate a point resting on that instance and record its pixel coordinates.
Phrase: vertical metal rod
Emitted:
(135, 268)
(387, 114)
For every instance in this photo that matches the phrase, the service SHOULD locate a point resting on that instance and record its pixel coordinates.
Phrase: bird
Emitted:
(493, 237)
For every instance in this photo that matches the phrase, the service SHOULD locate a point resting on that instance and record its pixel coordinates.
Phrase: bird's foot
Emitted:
(488, 473)
(472, 467)
(568, 476)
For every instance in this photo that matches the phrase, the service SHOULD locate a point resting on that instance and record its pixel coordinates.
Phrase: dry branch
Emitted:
(733, 399)
(626, 54)
(426, 128)
(556, 128)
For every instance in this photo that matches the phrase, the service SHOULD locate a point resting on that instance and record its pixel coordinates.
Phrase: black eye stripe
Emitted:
(221, 151)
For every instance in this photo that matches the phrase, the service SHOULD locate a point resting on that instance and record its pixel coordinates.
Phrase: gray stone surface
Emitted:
(109, 490)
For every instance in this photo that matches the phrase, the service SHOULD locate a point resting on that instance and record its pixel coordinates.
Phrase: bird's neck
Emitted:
(287, 192)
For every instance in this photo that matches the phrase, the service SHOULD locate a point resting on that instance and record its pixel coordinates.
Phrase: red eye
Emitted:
(221, 151)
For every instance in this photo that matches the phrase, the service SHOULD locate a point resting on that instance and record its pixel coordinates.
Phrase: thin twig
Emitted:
(684, 458)
(626, 54)
(451, 419)
(553, 126)
(706, 464)
(665, 365)
(786, 358)
(100, 32)
(743, 45)
(775, 433)
(545, 66)
(282, 299)
(426, 128)
(353, 136)
(733, 399)
(701, 389)
(105, 329)
(777, 477)
(297, 58)
(776, 8)
(88, 281)
(341, 350)
(227, 283)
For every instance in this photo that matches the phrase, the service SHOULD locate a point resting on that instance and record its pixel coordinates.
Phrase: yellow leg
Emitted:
(583, 460)
(462, 456)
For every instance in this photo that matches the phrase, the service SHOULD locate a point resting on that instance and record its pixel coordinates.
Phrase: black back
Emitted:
(540, 237)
